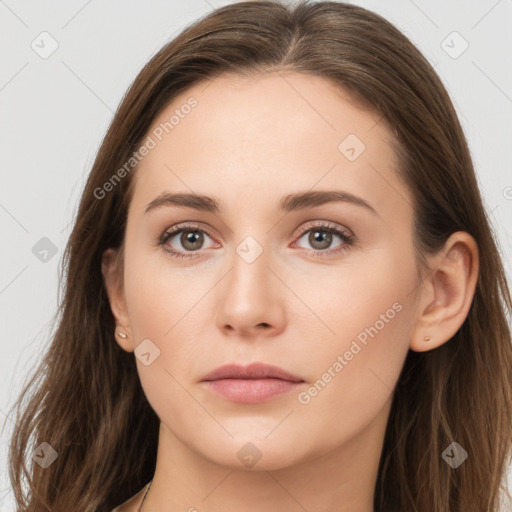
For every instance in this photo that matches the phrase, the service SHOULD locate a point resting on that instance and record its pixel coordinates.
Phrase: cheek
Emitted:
(360, 344)
(166, 306)
(162, 319)
(159, 294)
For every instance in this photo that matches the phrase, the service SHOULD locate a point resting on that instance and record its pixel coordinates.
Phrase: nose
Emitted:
(251, 299)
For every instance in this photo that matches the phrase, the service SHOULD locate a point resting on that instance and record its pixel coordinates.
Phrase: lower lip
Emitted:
(251, 391)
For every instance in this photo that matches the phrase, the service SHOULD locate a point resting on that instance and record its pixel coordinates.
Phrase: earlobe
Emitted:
(447, 293)
(113, 285)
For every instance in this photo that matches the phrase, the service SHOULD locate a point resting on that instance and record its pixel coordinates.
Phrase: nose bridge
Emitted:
(250, 275)
(249, 296)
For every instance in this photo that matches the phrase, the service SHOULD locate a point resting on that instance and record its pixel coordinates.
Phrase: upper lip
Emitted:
(253, 371)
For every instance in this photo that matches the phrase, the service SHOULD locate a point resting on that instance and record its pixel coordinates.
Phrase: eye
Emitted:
(182, 241)
(191, 239)
(321, 237)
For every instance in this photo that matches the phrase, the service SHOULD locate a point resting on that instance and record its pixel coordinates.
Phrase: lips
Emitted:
(253, 371)
(251, 384)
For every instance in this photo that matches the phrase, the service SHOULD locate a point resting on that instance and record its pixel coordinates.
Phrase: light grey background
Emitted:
(56, 110)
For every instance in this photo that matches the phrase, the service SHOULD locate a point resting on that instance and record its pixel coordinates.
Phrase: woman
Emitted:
(283, 292)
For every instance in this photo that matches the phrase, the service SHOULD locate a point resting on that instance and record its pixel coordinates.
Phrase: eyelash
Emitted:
(348, 239)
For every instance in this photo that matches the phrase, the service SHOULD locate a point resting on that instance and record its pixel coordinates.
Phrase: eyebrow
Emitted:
(289, 203)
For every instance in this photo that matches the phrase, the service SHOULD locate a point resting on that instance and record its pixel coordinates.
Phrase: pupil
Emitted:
(190, 239)
(322, 237)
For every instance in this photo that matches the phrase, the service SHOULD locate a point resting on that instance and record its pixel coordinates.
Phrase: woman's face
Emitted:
(276, 273)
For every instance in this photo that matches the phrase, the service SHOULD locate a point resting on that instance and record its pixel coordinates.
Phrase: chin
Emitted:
(254, 453)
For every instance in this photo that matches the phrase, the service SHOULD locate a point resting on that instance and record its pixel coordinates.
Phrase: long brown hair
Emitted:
(85, 399)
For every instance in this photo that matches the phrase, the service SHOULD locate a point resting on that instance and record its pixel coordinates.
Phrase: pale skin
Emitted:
(248, 143)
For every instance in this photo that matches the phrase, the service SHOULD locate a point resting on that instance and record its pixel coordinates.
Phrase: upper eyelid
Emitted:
(311, 224)
(192, 226)
(324, 225)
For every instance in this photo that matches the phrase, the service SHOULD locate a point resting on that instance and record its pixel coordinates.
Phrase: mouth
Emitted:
(255, 383)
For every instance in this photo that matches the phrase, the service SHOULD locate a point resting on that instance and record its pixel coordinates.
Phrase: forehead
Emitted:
(283, 131)
(274, 109)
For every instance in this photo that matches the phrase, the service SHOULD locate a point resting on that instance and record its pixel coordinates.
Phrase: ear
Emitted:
(113, 279)
(447, 292)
